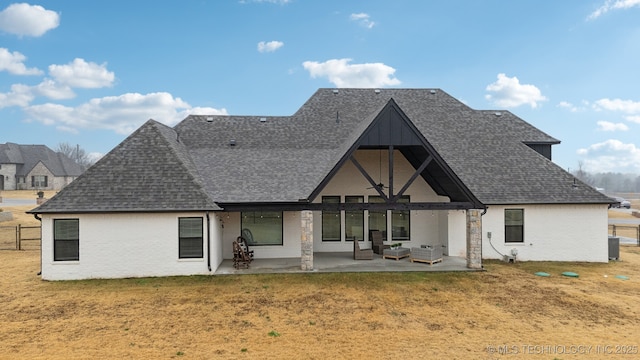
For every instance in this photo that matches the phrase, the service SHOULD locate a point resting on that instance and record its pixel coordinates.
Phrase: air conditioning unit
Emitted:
(509, 258)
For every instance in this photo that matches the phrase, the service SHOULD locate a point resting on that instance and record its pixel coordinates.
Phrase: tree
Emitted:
(75, 153)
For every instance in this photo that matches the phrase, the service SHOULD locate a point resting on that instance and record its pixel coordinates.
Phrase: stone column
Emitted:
(474, 239)
(306, 240)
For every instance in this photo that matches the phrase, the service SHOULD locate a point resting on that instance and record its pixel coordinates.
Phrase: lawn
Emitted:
(321, 316)
(504, 312)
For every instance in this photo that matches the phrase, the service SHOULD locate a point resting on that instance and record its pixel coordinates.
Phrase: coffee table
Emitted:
(397, 253)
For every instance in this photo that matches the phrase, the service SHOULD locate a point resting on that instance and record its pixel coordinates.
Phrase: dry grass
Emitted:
(320, 316)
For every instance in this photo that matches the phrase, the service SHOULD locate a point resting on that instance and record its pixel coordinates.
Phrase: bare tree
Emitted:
(75, 153)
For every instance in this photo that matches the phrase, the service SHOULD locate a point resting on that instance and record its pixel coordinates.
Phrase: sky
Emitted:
(89, 73)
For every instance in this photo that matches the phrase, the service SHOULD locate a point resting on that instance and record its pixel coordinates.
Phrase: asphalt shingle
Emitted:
(206, 160)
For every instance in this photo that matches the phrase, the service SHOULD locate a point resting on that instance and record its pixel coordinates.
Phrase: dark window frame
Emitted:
(41, 179)
(400, 213)
(514, 228)
(376, 200)
(250, 239)
(66, 244)
(331, 215)
(350, 213)
(190, 247)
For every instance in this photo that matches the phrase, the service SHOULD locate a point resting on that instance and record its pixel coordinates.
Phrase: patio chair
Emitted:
(377, 242)
(243, 244)
(240, 257)
(361, 254)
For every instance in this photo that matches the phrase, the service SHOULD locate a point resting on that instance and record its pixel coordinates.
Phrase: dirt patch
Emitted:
(319, 316)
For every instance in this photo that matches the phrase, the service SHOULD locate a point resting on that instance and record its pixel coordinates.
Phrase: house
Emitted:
(35, 167)
(416, 164)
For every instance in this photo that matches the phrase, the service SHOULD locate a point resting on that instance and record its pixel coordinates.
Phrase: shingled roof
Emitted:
(26, 157)
(208, 160)
(149, 171)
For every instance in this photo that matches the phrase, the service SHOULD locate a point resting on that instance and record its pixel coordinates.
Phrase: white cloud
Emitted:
(569, 106)
(611, 155)
(609, 126)
(30, 20)
(20, 95)
(363, 19)
(82, 74)
(633, 118)
(612, 5)
(343, 74)
(52, 90)
(626, 106)
(122, 114)
(508, 92)
(270, 46)
(12, 62)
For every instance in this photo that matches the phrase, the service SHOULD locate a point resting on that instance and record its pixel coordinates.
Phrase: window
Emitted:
(190, 238)
(262, 227)
(354, 219)
(514, 225)
(400, 222)
(39, 181)
(378, 218)
(331, 220)
(66, 240)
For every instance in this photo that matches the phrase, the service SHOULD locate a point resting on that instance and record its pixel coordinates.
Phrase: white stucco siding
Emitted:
(290, 244)
(217, 232)
(457, 233)
(123, 245)
(551, 233)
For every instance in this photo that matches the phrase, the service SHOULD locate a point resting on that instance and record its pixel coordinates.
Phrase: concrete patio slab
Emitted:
(341, 262)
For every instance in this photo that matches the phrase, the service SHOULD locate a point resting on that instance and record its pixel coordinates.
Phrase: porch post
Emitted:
(306, 240)
(474, 239)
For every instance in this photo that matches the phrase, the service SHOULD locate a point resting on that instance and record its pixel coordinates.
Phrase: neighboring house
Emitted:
(416, 164)
(26, 167)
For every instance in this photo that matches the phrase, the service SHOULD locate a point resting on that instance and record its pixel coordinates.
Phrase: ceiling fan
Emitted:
(380, 184)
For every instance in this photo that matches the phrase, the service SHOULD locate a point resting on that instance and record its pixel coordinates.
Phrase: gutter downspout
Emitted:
(208, 242)
(35, 215)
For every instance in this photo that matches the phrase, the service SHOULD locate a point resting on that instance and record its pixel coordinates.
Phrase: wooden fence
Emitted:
(19, 237)
(625, 230)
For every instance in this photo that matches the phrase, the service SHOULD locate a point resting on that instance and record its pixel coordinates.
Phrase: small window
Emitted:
(262, 227)
(331, 220)
(66, 240)
(190, 238)
(514, 225)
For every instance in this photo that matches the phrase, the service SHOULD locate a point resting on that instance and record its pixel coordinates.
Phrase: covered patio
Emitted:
(328, 262)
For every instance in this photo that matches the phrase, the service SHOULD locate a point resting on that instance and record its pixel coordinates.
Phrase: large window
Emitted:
(401, 222)
(378, 218)
(39, 181)
(262, 227)
(354, 219)
(190, 237)
(331, 220)
(66, 239)
(514, 225)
